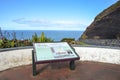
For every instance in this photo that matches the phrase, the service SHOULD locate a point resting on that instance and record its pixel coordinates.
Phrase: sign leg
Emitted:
(33, 64)
(72, 65)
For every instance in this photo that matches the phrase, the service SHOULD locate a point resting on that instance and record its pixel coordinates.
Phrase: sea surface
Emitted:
(55, 35)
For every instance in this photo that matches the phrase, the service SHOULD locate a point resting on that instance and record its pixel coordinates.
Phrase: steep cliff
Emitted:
(106, 25)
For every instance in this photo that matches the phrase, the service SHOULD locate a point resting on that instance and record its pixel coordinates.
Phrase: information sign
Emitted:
(53, 51)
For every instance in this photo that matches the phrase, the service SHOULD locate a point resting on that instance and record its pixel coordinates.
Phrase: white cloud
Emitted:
(49, 24)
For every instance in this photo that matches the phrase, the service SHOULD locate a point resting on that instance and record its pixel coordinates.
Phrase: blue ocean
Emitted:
(55, 35)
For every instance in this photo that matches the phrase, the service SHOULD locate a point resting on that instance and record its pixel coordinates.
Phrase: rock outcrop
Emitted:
(106, 25)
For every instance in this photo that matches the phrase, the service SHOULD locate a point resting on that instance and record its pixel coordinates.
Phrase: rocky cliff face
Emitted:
(106, 25)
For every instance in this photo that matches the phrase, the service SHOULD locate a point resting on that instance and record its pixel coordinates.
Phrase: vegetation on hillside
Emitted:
(108, 10)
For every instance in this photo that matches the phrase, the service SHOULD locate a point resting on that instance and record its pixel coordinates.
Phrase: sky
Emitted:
(50, 14)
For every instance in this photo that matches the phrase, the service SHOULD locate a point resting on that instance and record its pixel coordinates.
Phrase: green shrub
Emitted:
(6, 42)
(69, 40)
(35, 38)
(42, 38)
(1, 42)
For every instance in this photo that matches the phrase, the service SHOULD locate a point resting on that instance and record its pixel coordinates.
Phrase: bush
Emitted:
(5, 42)
(69, 40)
(42, 38)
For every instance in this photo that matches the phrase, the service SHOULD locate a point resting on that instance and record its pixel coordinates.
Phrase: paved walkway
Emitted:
(61, 71)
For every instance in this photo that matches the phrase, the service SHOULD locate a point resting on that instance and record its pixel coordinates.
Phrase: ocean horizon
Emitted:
(56, 35)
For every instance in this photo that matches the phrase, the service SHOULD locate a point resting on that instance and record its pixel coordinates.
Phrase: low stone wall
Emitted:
(14, 58)
(106, 55)
(103, 42)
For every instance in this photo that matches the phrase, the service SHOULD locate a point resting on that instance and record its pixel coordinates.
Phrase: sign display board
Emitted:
(54, 51)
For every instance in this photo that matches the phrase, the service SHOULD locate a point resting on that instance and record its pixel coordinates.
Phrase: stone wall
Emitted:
(103, 42)
(98, 54)
(14, 58)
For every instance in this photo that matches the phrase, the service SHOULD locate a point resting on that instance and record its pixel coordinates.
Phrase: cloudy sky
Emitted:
(50, 14)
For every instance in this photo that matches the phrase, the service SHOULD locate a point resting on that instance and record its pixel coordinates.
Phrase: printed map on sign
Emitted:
(51, 51)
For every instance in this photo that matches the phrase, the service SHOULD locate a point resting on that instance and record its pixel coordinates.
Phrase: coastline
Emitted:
(27, 34)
